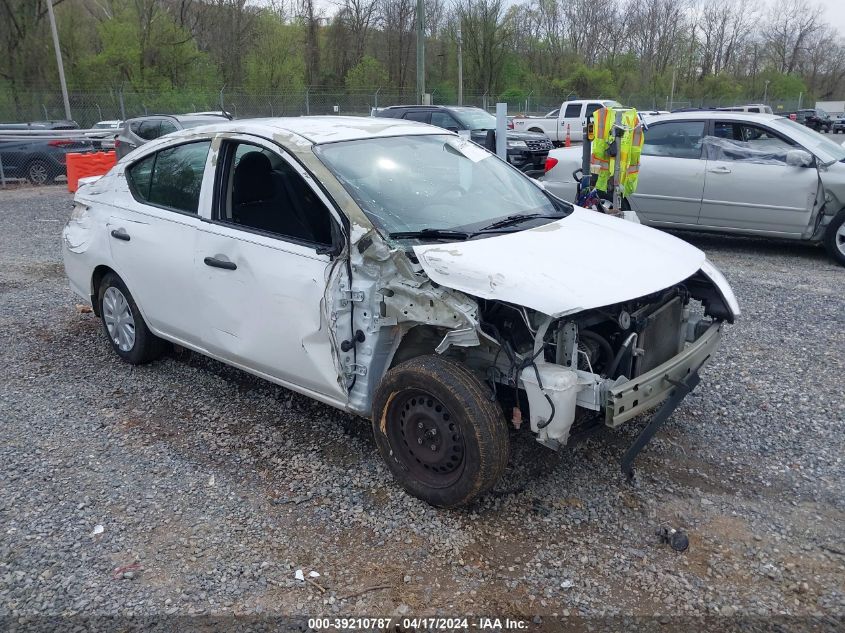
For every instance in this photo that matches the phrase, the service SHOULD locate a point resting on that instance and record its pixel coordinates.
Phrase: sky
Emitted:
(835, 14)
(834, 11)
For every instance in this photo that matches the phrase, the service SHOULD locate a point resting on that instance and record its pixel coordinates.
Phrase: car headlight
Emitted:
(722, 285)
(517, 144)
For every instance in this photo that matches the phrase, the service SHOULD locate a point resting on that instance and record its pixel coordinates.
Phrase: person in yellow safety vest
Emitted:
(628, 150)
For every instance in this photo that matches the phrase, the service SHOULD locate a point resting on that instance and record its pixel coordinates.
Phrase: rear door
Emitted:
(750, 187)
(571, 116)
(152, 233)
(672, 166)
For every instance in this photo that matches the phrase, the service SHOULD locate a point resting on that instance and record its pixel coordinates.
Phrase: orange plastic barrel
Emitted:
(88, 164)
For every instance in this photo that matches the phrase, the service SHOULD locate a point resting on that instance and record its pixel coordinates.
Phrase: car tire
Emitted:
(441, 435)
(834, 238)
(38, 172)
(123, 324)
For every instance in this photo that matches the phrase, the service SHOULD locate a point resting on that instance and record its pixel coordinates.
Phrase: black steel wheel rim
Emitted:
(425, 438)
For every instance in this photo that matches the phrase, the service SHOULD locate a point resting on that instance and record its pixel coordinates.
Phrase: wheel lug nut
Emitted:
(419, 425)
(433, 432)
(419, 441)
(433, 447)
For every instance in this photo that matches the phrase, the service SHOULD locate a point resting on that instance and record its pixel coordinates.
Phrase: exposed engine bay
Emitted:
(549, 369)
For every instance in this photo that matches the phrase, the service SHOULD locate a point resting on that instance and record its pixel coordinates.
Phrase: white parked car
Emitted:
(399, 272)
(753, 174)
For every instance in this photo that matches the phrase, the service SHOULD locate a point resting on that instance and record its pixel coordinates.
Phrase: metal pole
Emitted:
(766, 92)
(122, 106)
(420, 51)
(2, 174)
(502, 130)
(59, 58)
(460, 69)
(307, 105)
(222, 107)
(672, 97)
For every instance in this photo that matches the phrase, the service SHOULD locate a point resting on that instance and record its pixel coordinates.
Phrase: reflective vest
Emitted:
(628, 150)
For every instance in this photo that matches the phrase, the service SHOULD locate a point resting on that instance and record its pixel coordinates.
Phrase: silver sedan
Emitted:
(732, 172)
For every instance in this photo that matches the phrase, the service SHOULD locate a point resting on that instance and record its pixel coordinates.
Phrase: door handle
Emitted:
(719, 170)
(120, 234)
(220, 263)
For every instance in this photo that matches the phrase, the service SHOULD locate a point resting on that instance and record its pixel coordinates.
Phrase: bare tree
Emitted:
(788, 30)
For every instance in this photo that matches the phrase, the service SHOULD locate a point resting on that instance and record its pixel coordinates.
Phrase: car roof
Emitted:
(697, 115)
(320, 129)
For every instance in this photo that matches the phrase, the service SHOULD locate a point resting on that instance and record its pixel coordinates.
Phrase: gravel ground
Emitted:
(215, 487)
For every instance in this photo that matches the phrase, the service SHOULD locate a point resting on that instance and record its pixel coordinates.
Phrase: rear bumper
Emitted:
(644, 392)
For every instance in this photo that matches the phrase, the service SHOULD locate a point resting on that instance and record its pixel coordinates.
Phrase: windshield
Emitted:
(475, 118)
(826, 150)
(440, 182)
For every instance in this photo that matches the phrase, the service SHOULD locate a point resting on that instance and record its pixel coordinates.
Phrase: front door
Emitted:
(750, 187)
(263, 268)
(671, 181)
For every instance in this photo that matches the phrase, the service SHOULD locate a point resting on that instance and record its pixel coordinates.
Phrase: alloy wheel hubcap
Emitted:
(840, 238)
(119, 320)
(38, 173)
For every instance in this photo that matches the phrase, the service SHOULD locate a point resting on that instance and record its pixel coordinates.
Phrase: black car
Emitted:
(527, 151)
(39, 160)
(814, 118)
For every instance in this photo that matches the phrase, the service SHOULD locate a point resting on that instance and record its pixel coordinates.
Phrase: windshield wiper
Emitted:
(431, 234)
(517, 218)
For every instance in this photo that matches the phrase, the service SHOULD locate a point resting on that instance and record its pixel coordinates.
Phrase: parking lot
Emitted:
(212, 487)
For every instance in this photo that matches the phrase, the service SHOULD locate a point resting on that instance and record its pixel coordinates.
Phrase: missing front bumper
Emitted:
(668, 383)
(644, 392)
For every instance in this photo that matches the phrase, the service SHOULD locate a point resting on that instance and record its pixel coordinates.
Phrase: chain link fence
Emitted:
(42, 161)
(87, 108)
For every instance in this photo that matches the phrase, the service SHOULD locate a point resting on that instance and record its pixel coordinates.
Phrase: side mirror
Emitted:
(799, 158)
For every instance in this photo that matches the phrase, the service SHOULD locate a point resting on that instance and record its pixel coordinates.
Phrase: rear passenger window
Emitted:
(149, 130)
(592, 107)
(139, 176)
(166, 128)
(171, 178)
(573, 111)
(422, 117)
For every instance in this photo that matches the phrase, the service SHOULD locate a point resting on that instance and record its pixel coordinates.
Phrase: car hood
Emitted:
(585, 260)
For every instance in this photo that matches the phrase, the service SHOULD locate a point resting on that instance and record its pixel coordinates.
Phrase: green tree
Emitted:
(368, 73)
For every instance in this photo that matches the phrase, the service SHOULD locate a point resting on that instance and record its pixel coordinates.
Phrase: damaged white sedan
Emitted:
(400, 273)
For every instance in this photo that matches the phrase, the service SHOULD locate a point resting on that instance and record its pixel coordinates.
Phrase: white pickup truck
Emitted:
(572, 113)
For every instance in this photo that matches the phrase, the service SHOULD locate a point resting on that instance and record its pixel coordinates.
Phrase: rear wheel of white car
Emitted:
(834, 238)
(123, 324)
(443, 438)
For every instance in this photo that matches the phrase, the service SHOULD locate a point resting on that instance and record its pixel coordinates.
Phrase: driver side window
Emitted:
(262, 192)
(674, 139)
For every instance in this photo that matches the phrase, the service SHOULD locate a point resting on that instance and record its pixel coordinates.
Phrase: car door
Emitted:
(572, 116)
(750, 187)
(152, 232)
(263, 266)
(671, 181)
